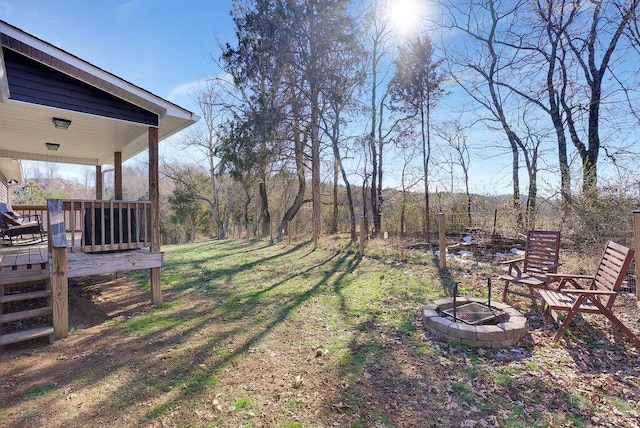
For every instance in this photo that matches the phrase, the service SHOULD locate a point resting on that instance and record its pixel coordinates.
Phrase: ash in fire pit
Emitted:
(476, 313)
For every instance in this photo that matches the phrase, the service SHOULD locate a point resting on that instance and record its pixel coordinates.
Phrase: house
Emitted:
(56, 107)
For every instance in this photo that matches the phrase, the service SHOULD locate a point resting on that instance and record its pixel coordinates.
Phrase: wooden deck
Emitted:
(24, 266)
(84, 238)
(22, 263)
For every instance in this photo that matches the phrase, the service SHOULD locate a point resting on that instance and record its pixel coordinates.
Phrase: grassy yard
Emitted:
(252, 334)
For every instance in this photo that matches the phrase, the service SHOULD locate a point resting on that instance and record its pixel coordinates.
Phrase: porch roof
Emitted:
(39, 81)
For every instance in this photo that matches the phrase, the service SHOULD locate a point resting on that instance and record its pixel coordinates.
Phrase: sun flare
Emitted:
(405, 15)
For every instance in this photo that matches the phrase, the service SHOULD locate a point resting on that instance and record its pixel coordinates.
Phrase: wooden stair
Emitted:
(24, 293)
(21, 336)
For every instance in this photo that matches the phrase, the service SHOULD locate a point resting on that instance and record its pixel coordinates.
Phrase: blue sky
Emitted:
(162, 46)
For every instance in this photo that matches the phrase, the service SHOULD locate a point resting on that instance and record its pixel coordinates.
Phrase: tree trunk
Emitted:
(516, 184)
(302, 186)
(334, 220)
(345, 179)
(364, 207)
(466, 189)
(372, 144)
(265, 216)
(426, 153)
(315, 175)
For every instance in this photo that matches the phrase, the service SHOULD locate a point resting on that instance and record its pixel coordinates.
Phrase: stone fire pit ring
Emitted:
(501, 335)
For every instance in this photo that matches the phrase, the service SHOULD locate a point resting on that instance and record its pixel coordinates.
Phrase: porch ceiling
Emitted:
(91, 139)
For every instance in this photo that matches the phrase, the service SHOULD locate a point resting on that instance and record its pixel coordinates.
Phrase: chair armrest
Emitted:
(508, 262)
(569, 276)
(579, 291)
(27, 217)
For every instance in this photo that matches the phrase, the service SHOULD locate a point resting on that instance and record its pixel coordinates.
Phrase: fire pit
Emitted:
(475, 322)
(476, 313)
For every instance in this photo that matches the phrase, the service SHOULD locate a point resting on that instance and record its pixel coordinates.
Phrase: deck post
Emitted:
(117, 174)
(58, 274)
(636, 244)
(99, 183)
(154, 198)
(117, 184)
(60, 293)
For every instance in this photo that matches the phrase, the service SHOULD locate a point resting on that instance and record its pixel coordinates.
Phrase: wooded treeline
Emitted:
(324, 96)
(319, 105)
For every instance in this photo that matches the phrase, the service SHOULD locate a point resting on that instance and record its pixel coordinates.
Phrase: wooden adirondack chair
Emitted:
(541, 254)
(597, 297)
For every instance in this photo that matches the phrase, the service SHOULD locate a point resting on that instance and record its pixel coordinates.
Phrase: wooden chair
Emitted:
(541, 254)
(597, 297)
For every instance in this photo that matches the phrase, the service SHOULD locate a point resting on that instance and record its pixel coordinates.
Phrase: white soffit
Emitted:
(11, 168)
(90, 140)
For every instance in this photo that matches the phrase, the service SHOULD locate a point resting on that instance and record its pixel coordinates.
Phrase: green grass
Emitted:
(145, 324)
(28, 416)
(503, 380)
(461, 388)
(38, 390)
(162, 409)
(236, 309)
(620, 403)
(243, 403)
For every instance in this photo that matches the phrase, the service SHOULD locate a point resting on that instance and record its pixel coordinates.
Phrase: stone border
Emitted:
(502, 335)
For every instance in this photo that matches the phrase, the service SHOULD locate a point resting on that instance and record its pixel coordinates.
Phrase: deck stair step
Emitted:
(23, 315)
(36, 296)
(26, 335)
(18, 297)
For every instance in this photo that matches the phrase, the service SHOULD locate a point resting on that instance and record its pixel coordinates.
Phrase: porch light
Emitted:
(52, 146)
(60, 123)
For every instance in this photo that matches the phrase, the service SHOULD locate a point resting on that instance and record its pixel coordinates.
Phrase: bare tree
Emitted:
(593, 42)
(455, 134)
(415, 88)
(50, 170)
(88, 176)
(491, 63)
(206, 140)
(379, 34)
(340, 99)
(410, 174)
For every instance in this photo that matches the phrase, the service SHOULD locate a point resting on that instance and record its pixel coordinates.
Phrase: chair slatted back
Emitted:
(541, 251)
(612, 270)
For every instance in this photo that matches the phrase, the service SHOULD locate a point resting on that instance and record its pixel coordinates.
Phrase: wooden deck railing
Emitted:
(93, 226)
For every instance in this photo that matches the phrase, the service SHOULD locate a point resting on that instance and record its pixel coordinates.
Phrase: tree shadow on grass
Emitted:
(337, 262)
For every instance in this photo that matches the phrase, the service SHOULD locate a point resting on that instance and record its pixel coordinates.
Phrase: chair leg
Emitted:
(609, 314)
(572, 313)
(505, 291)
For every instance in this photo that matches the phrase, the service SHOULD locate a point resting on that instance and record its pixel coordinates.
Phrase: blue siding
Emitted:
(33, 82)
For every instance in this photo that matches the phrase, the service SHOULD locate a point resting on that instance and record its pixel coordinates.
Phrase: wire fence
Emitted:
(489, 237)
